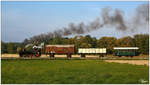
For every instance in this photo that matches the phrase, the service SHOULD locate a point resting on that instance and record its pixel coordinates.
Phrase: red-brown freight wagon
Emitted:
(51, 50)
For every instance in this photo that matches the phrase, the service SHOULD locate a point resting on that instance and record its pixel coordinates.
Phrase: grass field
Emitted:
(71, 72)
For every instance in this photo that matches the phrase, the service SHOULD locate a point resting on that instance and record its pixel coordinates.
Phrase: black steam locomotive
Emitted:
(30, 51)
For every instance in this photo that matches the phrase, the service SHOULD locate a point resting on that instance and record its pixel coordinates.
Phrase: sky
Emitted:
(24, 19)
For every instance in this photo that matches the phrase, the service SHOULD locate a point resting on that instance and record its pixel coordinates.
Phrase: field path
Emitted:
(135, 62)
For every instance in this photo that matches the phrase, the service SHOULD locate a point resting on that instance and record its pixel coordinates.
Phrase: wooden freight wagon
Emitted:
(99, 51)
(51, 50)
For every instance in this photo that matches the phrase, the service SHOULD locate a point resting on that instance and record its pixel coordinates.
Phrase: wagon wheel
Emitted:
(119, 56)
(69, 56)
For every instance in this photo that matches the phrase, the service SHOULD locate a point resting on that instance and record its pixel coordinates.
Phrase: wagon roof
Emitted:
(92, 48)
(60, 45)
(126, 48)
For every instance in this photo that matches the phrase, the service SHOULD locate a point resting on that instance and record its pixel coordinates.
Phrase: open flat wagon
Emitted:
(99, 51)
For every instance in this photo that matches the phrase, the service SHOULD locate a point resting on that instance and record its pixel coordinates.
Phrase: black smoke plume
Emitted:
(108, 17)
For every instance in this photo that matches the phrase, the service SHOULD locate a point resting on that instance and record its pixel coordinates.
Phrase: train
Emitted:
(51, 50)
(69, 50)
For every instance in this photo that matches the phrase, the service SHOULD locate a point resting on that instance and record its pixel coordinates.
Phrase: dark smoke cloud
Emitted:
(108, 17)
(142, 15)
(115, 18)
(143, 12)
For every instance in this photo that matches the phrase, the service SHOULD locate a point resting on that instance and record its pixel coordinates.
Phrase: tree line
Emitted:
(138, 40)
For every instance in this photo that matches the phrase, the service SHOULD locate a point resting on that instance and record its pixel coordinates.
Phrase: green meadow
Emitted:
(71, 72)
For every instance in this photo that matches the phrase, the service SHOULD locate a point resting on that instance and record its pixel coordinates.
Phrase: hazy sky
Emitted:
(22, 20)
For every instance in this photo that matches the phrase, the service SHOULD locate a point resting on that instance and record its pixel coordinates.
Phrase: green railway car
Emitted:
(126, 51)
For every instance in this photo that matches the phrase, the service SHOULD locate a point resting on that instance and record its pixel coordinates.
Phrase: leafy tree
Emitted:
(94, 42)
(142, 41)
(125, 42)
(77, 43)
(139, 40)
(57, 40)
(86, 42)
(85, 45)
(11, 48)
(3, 47)
(70, 41)
(18, 49)
(107, 42)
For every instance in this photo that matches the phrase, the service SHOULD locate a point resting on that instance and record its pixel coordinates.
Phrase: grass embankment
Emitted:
(71, 71)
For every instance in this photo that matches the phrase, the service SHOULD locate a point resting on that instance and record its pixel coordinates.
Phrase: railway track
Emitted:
(88, 58)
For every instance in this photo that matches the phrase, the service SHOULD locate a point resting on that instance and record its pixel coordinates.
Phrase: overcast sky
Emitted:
(22, 20)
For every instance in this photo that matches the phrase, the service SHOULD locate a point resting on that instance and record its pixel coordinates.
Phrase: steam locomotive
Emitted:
(30, 50)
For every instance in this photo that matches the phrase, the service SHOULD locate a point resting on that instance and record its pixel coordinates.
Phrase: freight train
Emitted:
(51, 50)
(69, 50)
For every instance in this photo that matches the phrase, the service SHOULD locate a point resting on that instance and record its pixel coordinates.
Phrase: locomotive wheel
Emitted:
(20, 55)
(37, 54)
(27, 55)
(24, 56)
